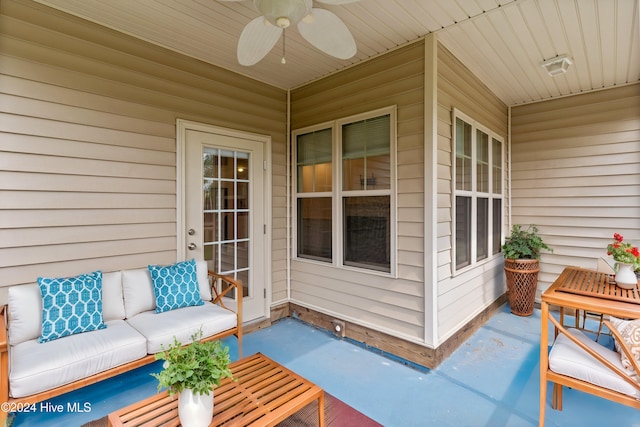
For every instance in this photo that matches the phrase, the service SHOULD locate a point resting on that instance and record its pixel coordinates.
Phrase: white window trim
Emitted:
(475, 126)
(337, 192)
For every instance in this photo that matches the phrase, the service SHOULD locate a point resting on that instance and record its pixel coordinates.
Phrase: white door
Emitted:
(224, 210)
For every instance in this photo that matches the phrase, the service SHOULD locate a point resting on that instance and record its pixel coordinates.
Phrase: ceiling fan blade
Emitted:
(257, 39)
(327, 1)
(327, 32)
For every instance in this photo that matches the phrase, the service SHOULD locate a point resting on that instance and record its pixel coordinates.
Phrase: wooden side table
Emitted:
(264, 394)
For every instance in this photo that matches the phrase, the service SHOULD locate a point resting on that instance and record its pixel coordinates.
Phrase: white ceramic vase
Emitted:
(195, 410)
(625, 276)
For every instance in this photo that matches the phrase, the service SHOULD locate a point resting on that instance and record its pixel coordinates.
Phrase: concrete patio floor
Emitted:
(491, 380)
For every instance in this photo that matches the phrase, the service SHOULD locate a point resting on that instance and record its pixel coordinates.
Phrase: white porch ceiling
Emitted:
(500, 41)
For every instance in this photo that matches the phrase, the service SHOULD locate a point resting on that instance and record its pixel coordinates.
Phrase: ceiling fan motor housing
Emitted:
(283, 13)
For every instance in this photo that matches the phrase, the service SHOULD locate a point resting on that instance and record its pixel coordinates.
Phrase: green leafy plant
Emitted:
(524, 244)
(197, 366)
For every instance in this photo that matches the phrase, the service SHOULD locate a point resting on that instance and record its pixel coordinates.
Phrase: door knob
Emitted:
(191, 246)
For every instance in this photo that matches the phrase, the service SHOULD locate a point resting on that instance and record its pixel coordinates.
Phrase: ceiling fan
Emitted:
(320, 27)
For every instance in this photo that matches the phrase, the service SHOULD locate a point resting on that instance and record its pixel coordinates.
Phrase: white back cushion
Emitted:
(203, 280)
(25, 313)
(137, 291)
(25, 307)
(112, 301)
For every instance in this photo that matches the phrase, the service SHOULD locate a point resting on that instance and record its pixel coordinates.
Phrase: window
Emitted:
(477, 192)
(350, 223)
(314, 189)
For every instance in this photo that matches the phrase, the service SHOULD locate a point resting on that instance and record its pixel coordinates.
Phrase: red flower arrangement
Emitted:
(624, 252)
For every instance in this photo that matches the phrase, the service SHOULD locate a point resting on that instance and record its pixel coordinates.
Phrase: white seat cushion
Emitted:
(160, 328)
(37, 367)
(568, 359)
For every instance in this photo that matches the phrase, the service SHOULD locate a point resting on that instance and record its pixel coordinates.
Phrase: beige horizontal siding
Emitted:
(461, 297)
(88, 144)
(374, 300)
(576, 173)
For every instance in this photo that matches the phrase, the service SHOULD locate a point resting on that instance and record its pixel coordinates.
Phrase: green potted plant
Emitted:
(191, 371)
(521, 251)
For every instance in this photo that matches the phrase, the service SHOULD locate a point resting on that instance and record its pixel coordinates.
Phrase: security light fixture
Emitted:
(557, 65)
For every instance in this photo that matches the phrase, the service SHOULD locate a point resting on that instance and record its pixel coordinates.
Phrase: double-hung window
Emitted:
(478, 192)
(314, 194)
(345, 204)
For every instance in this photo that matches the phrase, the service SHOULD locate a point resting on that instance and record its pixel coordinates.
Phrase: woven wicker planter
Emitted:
(522, 281)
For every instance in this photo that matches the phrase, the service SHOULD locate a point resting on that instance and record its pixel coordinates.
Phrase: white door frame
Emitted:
(182, 126)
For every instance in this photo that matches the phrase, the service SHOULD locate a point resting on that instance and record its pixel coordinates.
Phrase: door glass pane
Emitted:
(242, 224)
(227, 164)
(243, 255)
(226, 215)
(227, 257)
(210, 227)
(242, 195)
(227, 226)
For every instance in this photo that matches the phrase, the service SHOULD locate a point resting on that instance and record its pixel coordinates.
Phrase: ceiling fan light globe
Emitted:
(276, 10)
(283, 22)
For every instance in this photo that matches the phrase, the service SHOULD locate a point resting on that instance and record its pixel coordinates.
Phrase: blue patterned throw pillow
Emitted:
(71, 305)
(175, 286)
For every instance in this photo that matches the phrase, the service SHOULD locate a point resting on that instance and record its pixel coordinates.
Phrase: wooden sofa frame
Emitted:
(220, 286)
(560, 380)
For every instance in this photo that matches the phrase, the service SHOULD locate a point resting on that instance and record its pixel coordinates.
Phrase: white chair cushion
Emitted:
(25, 313)
(112, 301)
(137, 291)
(182, 323)
(37, 367)
(568, 359)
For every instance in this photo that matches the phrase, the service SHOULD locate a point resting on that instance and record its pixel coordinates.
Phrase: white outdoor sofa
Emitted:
(33, 371)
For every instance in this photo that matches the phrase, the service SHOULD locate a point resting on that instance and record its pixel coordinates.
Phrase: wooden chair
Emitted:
(578, 362)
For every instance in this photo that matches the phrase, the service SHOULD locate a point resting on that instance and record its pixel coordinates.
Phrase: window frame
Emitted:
(337, 193)
(475, 195)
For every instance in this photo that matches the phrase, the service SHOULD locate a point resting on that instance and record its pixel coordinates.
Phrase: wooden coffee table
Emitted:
(264, 394)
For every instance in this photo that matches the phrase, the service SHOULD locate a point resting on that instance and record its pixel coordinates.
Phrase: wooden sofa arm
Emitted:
(221, 286)
(4, 363)
(624, 347)
(3, 329)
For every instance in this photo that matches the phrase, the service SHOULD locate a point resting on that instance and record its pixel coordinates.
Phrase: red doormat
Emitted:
(336, 414)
